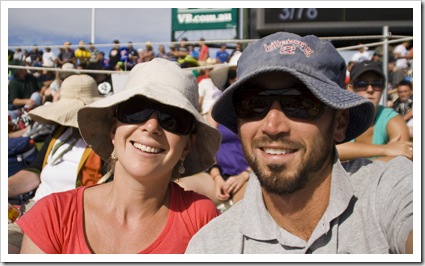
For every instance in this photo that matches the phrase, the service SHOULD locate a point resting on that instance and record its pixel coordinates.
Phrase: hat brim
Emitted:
(95, 121)
(361, 109)
(219, 76)
(62, 112)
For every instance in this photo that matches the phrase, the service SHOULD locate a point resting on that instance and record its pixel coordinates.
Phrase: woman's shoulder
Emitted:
(190, 200)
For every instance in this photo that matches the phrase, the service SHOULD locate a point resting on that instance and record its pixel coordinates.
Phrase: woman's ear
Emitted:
(190, 142)
(342, 119)
(112, 129)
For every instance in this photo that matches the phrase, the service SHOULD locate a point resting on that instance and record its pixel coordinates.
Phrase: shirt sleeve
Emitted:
(394, 203)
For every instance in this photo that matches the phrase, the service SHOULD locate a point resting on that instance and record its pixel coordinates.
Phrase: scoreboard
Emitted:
(335, 21)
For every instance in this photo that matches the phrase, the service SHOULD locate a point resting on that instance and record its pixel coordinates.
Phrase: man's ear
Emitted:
(342, 119)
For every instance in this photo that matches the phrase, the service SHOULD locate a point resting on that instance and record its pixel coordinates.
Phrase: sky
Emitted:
(28, 26)
(136, 23)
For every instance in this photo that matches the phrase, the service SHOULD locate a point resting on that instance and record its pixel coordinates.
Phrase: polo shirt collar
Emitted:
(257, 223)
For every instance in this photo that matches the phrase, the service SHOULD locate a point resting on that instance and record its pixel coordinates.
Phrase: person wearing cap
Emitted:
(290, 109)
(65, 161)
(388, 135)
(152, 133)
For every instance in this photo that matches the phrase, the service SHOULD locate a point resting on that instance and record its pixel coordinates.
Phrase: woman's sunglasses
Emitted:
(297, 103)
(137, 110)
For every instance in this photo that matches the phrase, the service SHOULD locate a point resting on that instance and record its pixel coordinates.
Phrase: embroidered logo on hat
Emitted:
(289, 46)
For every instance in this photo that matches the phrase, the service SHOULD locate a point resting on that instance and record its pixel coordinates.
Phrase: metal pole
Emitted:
(241, 26)
(93, 22)
(385, 64)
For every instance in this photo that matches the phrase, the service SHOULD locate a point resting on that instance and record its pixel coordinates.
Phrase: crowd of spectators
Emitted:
(187, 54)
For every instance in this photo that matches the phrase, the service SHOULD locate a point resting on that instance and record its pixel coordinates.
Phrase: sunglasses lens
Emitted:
(361, 85)
(297, 103)
(138, 110)
(378, 84)
(249, 105)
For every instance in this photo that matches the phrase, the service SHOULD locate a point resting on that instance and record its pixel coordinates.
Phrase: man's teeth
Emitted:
(146, 148)
(277, 151)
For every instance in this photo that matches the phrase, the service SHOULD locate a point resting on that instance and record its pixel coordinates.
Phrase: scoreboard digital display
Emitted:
(335, 21)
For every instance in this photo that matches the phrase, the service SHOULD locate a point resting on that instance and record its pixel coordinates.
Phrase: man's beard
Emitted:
(276, 179)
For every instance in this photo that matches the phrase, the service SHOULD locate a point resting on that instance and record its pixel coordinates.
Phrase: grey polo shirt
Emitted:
(370, 211)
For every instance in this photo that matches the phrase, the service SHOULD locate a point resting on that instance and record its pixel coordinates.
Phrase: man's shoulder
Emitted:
(220, 235)
(379, 172)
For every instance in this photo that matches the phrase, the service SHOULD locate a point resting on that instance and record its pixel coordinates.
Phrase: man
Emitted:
(404, 103)
(289, 109)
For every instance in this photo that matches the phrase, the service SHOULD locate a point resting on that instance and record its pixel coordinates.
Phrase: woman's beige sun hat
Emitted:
(165, 82)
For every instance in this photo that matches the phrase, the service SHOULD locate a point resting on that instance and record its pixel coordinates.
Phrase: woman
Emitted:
(388, 136)
(153, 133)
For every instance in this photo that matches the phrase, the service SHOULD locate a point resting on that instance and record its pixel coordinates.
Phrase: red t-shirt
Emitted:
(55, 222)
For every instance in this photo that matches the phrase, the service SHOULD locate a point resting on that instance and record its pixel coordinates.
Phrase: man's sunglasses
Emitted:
(138, 109)
(296, 103)
(362, 85)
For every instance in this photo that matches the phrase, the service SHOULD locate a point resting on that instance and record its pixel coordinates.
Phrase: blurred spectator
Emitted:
(181, 51)
(238, 49)
(148, 54)
(204, 52)
(231, 171)
(193, 51)
(19, 54)
(208, 93)
(82, 55)
(404, 103)
(66, 55)
(395, 74)
(361, 54)
(172, 53)
(161, 52)
(49, 58)
(222, 55)
(94, 60)
(114, 55)
(401, 53)
(50, 91)
(347, 76)
(24, 90)
(129, 56)
(388, 136)
(36, 56)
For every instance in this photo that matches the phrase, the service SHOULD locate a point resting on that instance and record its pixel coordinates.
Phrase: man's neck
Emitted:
(299, 212)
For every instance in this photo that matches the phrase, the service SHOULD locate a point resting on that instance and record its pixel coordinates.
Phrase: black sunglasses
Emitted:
(362, 85)
(297, 103)
(138, 110)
